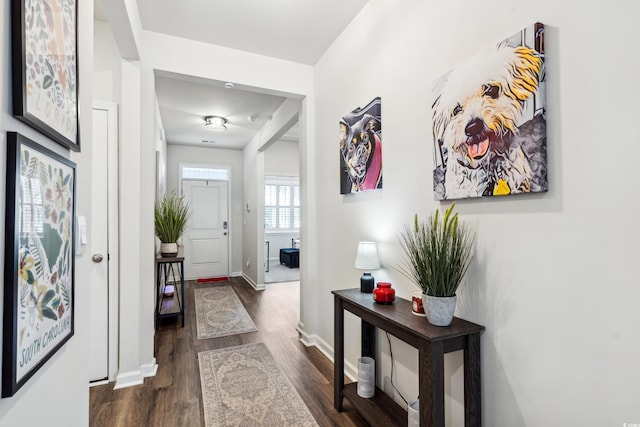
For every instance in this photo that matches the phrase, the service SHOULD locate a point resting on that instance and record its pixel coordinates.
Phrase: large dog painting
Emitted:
(489, 122)
(361, 149)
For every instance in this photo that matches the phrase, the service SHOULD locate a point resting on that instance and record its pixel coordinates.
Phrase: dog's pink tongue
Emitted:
(478, 150)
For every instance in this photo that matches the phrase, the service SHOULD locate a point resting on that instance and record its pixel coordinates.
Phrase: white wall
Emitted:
(214, 156)
(106, 79)
(554, 278)
(252, 181)
(67, 370)
(282, 158)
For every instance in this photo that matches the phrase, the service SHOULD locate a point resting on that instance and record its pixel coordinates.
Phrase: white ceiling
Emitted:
(186, 101)
(295, 30)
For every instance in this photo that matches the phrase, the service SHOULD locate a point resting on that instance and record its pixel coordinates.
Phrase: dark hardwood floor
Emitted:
(173, 396)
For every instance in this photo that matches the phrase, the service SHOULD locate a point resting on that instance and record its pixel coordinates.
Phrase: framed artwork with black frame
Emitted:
(39, 259)
(45, 68)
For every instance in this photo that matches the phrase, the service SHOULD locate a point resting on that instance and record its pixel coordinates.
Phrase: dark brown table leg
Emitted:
(158, 294)
(472, 402)
(338, 344)
(368, 347)
(181, 267)
(431, 383)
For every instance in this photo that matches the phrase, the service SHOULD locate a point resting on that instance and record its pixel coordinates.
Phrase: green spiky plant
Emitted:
(170, 215)
(438, 252)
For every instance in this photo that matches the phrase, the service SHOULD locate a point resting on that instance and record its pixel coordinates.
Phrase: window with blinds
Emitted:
(281, 204)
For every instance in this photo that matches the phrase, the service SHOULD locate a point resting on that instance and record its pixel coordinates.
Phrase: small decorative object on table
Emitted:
(384, 293)
(366, 386)
(438, 252)
(417, 306)
(413, 413)
(367, 259)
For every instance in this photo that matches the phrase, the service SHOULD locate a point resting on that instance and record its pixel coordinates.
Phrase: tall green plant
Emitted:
(170, 217)
(438, 252)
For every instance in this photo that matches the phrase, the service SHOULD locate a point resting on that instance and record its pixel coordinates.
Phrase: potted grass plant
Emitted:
(437, 255)
(170, 218)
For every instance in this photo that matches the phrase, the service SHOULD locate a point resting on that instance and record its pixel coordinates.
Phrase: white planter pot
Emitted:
(439, 310)
(168, 249)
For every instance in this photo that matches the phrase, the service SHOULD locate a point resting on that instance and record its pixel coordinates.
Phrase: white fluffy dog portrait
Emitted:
(478, 122)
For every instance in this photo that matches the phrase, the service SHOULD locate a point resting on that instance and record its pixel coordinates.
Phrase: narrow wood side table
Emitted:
(169, 269)
(432, 343)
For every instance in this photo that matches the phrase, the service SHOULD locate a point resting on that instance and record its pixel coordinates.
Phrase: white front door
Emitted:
(206, 240)
(98, 244)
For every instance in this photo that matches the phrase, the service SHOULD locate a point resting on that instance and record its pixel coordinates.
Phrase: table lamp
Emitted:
(367, 259)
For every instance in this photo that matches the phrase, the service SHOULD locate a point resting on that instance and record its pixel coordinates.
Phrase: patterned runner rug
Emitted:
(219, 313)
(243, 386)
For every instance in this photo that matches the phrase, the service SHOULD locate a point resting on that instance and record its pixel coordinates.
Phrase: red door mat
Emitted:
(212, 279)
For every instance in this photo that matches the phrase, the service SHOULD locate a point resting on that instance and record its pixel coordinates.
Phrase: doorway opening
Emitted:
(282, 228)
(282, 209)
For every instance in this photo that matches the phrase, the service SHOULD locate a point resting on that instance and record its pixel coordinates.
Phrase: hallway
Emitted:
(173, 396)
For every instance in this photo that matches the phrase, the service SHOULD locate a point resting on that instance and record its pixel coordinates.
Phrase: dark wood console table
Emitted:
(432, 343)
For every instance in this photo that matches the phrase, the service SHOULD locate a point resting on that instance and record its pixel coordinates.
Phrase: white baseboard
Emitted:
(128, 379)
(96, 383)
(315, 341)
(253, 284)
(236, 274)
(150, 369)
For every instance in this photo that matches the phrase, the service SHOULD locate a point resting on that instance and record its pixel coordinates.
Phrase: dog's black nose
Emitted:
(474, 127)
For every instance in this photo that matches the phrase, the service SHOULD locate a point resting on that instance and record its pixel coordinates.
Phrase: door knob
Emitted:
(97, 258)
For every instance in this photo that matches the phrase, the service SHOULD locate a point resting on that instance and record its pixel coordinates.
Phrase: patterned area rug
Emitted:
(219, 313)
(243, 386)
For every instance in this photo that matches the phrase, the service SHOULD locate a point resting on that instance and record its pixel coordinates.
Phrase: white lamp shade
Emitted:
(367, 256)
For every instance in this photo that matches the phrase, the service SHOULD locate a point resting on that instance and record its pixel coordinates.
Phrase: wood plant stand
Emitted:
(169, 270)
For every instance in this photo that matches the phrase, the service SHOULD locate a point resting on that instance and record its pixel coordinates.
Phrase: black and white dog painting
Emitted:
(361, 149)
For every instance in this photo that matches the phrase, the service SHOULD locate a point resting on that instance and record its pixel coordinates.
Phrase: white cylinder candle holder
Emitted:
(366, 377)
(413, 411)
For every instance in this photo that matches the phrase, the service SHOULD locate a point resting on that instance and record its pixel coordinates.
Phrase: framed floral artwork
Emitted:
(39, 259)
(45, 68)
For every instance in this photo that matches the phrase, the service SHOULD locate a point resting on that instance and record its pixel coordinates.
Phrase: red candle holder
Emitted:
(384, 293)
(416, 304)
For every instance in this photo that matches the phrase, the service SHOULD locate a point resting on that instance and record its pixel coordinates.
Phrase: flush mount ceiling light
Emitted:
(215, 123)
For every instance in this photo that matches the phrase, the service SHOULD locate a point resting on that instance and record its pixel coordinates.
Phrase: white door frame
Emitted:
(229, 191)
(112, 220)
